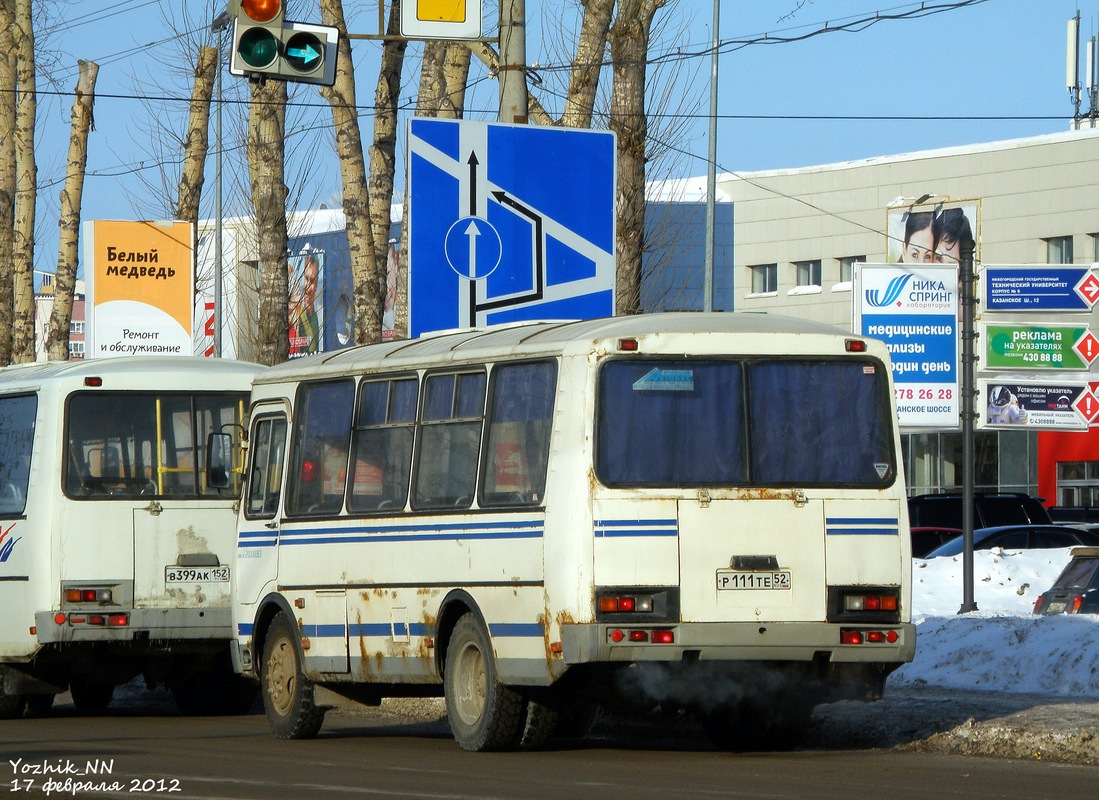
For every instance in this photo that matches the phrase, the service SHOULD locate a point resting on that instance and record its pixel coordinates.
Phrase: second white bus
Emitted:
(698, 511)
(115, 551)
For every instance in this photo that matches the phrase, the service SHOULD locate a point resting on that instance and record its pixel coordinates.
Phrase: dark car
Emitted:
(1020, 537)
(924, 540)
(989, 509)
(1074, 515)
(1076, 590)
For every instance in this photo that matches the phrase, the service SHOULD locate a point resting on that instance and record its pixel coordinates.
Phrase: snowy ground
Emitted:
(1002, 646)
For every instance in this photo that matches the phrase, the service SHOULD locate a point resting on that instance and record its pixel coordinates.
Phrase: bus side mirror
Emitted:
(219, 460)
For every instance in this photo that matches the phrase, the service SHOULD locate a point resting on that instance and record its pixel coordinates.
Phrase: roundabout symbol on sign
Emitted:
(473, 248)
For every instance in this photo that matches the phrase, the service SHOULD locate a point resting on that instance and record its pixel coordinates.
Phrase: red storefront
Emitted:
(1078, 453)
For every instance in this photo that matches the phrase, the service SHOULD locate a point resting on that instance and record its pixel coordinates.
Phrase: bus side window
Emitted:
(519, 424)
(450, 440)
(321, 443)
(382, 449)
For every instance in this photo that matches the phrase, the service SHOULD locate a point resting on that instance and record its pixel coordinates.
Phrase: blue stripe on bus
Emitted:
(862, 526)
(605, 528)
(386, 629)
(523, 529)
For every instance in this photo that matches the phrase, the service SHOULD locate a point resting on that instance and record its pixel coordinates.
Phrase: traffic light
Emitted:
(267, 45)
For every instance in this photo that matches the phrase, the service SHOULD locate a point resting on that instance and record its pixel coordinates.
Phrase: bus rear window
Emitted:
(690, 422)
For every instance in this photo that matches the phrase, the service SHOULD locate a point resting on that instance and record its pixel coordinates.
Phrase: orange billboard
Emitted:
(140, 285)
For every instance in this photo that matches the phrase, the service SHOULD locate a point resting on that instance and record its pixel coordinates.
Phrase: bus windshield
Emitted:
(744, 423)
(136, 444)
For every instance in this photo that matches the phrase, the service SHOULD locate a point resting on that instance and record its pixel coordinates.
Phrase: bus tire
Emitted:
(287, 693)
(91, 696)
(484, 715)
(538, 726)
(12, 705)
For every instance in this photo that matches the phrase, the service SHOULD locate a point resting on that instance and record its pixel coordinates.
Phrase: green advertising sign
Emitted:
(1068, 347)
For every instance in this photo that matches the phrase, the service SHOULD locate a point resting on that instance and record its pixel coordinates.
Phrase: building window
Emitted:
(847, 267)
(1078, 483)
(1059, 250)
(76, 326)
(76, 350)
(764, 278)
(1095, 248)
(808, 272)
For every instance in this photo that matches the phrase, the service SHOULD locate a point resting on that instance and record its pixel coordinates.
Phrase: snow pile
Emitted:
(1002, 646)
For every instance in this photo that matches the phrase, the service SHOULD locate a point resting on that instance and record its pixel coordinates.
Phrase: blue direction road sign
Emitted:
(508, 223)
(1040, 288)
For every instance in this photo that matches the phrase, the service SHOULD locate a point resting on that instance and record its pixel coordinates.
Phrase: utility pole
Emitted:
(968, 298)
(513, 62)
(711, 173)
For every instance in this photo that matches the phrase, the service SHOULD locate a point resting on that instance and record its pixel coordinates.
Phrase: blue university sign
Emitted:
(914, 310)
(508, 223)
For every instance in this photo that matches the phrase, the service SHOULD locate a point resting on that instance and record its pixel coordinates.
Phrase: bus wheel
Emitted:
(287, 693)
(539, 724)
(91, 696)
(483, 713)
(12, 705)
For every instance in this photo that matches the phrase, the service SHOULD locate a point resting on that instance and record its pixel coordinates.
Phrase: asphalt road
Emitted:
(157, 752)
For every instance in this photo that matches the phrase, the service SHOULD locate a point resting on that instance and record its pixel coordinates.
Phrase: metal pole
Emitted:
(967, 296)
(513, 61)
(218, 27)
(711, 174)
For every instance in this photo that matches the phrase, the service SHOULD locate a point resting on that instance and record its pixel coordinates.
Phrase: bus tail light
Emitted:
(854, 345)
(625, 604)
(857, 636)
(869, 602)
(641, 636)
(88, 595)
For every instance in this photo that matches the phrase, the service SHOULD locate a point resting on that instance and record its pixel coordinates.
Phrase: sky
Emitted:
(986, 71)
(1002, 646)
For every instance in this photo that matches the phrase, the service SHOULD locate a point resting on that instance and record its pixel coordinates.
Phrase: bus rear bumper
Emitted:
(133, 625)
(893, 644)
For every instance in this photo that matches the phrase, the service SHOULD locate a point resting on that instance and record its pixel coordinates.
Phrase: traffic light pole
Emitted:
(513, 61)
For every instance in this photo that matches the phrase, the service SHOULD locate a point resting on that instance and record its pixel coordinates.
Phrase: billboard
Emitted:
(914, 310)
(930, 233)
(306, 274)
(140, 287)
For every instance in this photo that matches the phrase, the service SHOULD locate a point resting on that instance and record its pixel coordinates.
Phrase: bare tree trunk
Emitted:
(8, 66)
(368, 278)
(26, 187)
(629, 40)
(266, 163)
(383, 160)
(455, 75)
(197, 144)
(584, 79)
(68, 253)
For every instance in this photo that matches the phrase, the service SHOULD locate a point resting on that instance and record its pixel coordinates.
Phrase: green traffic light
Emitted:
(258, 47)
(305, 52)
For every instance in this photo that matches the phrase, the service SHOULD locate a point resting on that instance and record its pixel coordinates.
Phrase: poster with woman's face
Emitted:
(930, 233)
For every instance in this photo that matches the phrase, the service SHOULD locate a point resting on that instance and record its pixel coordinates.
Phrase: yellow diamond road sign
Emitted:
(441, 19)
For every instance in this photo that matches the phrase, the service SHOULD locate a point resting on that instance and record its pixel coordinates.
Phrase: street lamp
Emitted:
(218, 26)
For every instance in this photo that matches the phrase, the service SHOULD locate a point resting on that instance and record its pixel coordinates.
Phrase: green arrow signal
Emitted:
(304, 51)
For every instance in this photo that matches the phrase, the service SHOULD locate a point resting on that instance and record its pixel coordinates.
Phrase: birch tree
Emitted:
(57, 338)
(26, 187)
(8, 66)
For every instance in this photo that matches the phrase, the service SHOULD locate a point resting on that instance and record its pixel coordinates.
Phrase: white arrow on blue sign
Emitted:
(508, 223)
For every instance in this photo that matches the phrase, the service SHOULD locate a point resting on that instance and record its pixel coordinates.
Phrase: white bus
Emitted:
(698, 511)
(115, 552)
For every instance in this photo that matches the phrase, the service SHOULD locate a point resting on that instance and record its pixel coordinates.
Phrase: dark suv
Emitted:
(1076, 590)
(989, 509)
